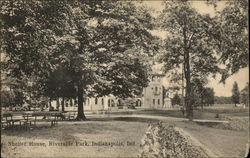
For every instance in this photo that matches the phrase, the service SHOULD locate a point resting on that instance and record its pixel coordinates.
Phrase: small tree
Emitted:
(209, 96)
(244, 96)
(235, 94)
(176, 100)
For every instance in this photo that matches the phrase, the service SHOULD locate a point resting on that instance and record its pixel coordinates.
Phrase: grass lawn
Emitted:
(105, 130)
(116, 130)
(198, 114)
(225, 143)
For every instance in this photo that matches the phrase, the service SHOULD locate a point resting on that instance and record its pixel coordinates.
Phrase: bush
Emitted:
(235, 123)
(165, 141)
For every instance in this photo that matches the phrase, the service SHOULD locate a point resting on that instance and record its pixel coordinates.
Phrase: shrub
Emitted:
(165, 141)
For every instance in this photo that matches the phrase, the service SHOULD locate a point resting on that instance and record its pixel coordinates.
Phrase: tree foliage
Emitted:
(176, 100)
(244, 95)
(235, 94)
(189, 44)
(77, 48)
(202, 96)
(232, 35)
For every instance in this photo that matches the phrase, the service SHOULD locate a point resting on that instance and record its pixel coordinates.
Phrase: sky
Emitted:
(220, 89)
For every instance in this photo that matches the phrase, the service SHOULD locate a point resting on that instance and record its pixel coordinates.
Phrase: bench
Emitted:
(8, 120)
(70, 115)
(51, 117)
(26, 120)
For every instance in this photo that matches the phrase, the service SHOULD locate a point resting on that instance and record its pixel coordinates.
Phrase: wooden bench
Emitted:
(9, 120)
(27, 120)
(51, 117)
(6, 120)
(69, 115)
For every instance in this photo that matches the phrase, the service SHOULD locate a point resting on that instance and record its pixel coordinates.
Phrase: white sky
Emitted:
(220, 89)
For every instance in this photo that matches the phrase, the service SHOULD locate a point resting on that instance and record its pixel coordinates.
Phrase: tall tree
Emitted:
(189, 44)
(89, 39)
(235, 94)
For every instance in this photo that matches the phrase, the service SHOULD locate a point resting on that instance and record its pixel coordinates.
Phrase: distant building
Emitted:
(153, 93)
(152, 97)
(101, 103)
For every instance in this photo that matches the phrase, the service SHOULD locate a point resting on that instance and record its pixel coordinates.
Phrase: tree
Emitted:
(209, 96)
(176, 100)
(88, 39)
(198, 92)
(189, 45)
(59, 84)
(202, 96)
(244, 96)
(235, 94)
(232, 36)
(223, 100)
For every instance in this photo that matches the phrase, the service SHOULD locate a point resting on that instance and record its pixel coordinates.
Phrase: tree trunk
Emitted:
(50, 105)
(71, 102)
(188, 103)
(57, 103)
(188, 91)
(202, 104)
(80, 114)
(62, 103)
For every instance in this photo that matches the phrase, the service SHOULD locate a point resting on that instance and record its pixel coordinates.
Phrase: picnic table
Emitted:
(27, 119)
(69, 115)
(8, 120)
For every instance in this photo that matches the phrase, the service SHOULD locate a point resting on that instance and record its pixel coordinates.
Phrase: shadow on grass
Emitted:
(126, 119)
(198, 126)
(209, 124)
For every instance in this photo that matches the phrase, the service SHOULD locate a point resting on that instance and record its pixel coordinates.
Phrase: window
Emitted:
(156, 89)
(158, 101)
(96, 100)
(153, 101)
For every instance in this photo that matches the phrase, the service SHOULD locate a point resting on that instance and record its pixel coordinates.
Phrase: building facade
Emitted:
(153, 94)
(152, 97)
(101, 103)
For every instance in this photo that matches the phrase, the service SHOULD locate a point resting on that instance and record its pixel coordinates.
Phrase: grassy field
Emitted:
(101, 131)
(207, 113)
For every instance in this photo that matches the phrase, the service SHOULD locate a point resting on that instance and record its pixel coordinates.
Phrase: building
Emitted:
(152, 97)
(153, 94)
(101, 103)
